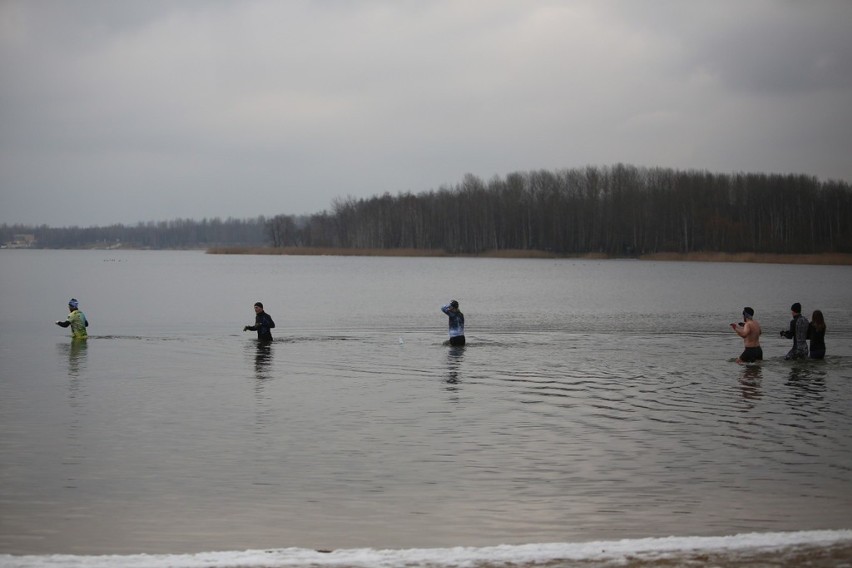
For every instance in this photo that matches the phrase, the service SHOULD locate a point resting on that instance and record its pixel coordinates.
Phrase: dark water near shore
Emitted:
(595, 400)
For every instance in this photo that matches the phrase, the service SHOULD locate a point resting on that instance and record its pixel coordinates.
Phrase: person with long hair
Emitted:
(816, 335)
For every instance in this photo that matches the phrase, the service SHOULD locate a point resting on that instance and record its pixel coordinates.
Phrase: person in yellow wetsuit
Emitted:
(76, 319)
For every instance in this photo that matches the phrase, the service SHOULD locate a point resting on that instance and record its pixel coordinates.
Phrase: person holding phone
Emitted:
(749, 330)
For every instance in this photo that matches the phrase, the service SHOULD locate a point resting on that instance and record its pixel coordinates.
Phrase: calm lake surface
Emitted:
(595, 400)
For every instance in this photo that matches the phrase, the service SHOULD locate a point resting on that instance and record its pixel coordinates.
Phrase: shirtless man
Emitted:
(749, 330)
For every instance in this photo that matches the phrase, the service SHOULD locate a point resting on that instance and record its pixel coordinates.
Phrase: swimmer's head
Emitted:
(748, 313)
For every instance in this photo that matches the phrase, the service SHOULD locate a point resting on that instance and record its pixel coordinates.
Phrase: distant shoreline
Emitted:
(841, 259)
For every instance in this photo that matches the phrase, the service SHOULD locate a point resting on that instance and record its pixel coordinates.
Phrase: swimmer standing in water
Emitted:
(456, 323)
(262, 324)
(76, 319)
(749, 330)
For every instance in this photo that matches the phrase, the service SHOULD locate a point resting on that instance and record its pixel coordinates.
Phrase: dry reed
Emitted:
(766, 258)
(762, 258)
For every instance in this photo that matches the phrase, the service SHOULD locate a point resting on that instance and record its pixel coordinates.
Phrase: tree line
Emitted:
(175, 234)
(617, 210)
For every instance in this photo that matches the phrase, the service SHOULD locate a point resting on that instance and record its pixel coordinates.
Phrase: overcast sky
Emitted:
(123, 111)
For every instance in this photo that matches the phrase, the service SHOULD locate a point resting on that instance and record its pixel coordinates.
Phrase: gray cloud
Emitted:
(120, 112)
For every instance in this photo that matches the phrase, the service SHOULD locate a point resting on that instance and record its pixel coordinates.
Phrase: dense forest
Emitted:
(619, 210)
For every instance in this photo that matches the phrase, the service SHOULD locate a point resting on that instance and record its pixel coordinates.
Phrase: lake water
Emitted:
(594, 400)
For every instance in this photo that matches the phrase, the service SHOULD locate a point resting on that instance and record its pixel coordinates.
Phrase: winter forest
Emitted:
(618, 210)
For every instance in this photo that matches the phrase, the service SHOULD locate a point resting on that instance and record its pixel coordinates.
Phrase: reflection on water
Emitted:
(595, 401)
(262, 352)
(75, 352)
(263, 360)
(455, 356)
(750, 379)
(807, 386)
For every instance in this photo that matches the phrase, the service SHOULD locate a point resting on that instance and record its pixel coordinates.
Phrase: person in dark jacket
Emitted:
(456, 323)
(798, 332)
(262, 323)
(816, 335)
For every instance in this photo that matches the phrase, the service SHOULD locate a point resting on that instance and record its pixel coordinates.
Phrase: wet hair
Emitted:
(818, 320)
(797, 308)
(748, 312)
(259, 305)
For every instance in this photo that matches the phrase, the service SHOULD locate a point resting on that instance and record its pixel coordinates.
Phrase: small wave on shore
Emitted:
(813, 548)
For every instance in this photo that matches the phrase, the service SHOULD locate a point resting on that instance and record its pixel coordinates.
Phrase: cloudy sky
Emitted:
(119, 112)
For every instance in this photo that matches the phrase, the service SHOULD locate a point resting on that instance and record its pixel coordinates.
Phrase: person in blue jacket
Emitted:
(456, 322)
(262, 323)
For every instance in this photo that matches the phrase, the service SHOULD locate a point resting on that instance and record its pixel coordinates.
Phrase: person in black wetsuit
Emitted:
(262, 323)
(798, 332)
(816, 335)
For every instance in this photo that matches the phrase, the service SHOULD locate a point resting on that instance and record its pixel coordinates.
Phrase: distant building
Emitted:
(22, 241)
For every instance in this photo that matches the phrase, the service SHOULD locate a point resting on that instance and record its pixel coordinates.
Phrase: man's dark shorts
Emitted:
(752, 354)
